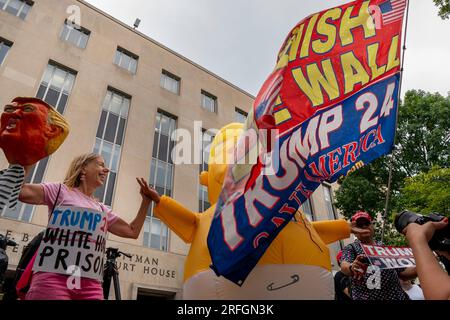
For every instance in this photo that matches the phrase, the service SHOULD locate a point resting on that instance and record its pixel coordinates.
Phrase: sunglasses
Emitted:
(363, 224)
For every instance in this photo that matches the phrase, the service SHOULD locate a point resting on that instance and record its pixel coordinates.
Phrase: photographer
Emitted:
(434, 281)
(354, 265)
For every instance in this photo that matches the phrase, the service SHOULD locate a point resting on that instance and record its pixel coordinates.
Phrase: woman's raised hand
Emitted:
(147, 191)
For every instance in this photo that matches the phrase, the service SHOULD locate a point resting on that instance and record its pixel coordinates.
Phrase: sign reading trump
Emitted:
(331, 104)
(74, 237)
(387, 257)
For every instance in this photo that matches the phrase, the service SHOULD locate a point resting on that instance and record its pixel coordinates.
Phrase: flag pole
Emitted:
(391, 160)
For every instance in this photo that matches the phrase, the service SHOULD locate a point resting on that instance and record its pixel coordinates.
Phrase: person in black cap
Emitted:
(341, 283)
(364, 285)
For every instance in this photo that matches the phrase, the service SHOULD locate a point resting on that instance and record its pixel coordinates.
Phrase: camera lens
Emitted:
(441, 238)
(404, 218)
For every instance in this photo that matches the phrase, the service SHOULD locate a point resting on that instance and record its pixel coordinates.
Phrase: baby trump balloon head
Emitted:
(295, 266)
(30, 130)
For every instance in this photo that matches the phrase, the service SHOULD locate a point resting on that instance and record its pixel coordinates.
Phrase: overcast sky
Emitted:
(239, 39)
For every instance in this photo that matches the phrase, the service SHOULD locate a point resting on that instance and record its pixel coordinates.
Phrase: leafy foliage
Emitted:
(423, 134)
(444, 8)
(427, 192)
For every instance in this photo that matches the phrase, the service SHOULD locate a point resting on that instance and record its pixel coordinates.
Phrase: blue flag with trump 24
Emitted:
(325, 147)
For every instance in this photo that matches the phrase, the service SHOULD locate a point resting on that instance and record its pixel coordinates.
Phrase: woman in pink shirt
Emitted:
(86, 173)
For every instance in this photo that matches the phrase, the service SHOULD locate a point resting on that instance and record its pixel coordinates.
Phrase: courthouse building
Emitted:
(123, 95)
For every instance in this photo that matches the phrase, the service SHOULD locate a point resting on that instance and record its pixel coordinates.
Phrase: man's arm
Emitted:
(434, 280)
(351, 264)
(345, 268)
(346, 292)
(408, 274)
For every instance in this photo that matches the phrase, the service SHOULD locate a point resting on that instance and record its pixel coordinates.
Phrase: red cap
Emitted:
(339, 256)
(361, 215)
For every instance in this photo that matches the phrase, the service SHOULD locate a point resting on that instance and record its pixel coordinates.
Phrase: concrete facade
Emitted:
(36, 41)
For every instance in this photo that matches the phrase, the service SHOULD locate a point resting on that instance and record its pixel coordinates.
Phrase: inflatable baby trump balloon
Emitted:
(30, 130)
(295, 266)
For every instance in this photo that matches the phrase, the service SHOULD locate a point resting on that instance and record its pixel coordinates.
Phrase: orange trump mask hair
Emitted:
(30, 130)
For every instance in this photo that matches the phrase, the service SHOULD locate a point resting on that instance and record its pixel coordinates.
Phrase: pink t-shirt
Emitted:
(67, 197)
(75, 198)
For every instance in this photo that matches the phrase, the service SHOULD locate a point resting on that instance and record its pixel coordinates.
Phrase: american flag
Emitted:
(392, 10)
(268, 95)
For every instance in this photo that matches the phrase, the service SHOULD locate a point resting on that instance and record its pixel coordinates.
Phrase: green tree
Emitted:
(391, 236)
(358, 193)
(444, 8)
(364, 189)
(427, 192)
(423, 133)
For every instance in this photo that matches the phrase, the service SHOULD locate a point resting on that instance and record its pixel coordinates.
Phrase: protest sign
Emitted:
(386, 257)
(74, 237)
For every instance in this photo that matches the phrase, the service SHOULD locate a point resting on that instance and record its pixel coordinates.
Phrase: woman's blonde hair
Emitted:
(72, 179)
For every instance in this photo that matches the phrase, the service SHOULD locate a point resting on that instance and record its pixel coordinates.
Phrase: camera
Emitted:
(441, 238)
(4, 242)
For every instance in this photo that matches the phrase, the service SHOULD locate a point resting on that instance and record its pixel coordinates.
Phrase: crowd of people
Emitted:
(88, 172)
(352, 281)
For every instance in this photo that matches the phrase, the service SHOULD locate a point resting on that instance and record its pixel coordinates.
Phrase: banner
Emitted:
(386, 257)
(75, 240)
(331, 104)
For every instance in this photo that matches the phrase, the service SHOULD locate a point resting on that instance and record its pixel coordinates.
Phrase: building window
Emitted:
(161, 177)
(170, 82)
(74, 34)
(5, 45)
(18, 8)
(126, 60)
(209, 102)
(55, 89)
(329, 201)
(240, 116)
(109, 139)
(56, 86)
(307, 209)
(328, 198)
(203, 200)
